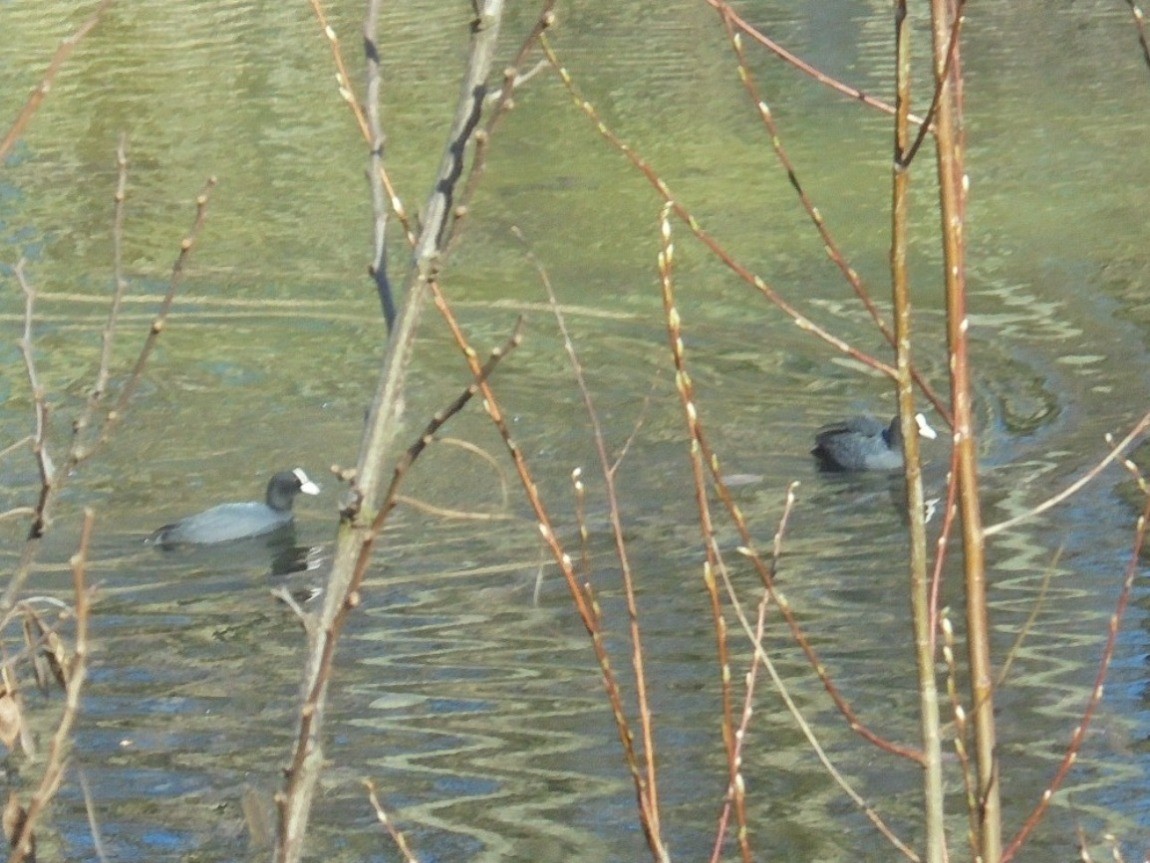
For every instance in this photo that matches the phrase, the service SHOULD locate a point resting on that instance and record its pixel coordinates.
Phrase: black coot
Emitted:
(864, 443)
(230, 521)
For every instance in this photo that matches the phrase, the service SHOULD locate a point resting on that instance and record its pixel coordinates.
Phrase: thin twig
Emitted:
(44, 462)
(116, 414)
(714, 559)
(703, 459)
(711, 460)
(394, 832)
(63, 52)
(802, 65)
(773, 296)
(582, 594)
(834, 252)
(1140, 26)
(961, 729)
(99, 388)
(1115, 452)
(1078, 737)
(376, 171)
(647, 791)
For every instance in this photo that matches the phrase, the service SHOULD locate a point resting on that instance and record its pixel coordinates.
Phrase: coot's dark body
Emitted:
(863, 443)
(231, 521)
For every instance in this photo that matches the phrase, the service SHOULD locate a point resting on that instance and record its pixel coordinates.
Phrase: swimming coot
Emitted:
(230, 521)
(864, 443)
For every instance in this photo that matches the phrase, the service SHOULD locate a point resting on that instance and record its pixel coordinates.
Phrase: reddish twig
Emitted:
(586, 605)
(647, 790)
(1140, 26)
(800, 320)
(63, 52)
(800, 64)
(1070, 756)
(813, 213)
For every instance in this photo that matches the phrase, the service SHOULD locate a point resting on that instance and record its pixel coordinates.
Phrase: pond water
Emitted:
(466, 688)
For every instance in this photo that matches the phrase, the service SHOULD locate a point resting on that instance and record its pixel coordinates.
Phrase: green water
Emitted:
(476, 709)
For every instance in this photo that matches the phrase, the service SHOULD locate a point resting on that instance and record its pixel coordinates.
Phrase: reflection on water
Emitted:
(465, 687)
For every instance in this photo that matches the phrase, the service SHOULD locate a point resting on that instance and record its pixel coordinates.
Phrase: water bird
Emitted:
(864, 443)
(231, 521)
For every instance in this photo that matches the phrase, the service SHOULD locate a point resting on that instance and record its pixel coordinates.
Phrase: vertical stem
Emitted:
(952, 189)
(295, 800)
(919, 583)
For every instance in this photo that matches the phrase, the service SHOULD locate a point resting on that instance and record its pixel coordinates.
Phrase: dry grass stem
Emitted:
(93, 824)
(22, 844)
(452, 514)
(1035, 609)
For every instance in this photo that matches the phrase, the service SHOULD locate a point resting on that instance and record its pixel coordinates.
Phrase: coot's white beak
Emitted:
(924, 428)
(309, 487)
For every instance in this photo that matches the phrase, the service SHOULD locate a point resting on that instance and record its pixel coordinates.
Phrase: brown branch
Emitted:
(704, 460)
(746, 77)
(711, 460)
(294, 801)
(951, 165)
(905, 154)
(586, 605)
(961, 730)
(918, 585)
(713, 562)
(63, 52)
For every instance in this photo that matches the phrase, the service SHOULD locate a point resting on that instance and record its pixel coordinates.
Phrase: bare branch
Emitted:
(63, 52)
